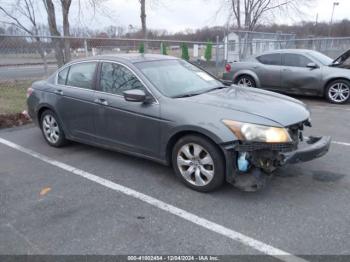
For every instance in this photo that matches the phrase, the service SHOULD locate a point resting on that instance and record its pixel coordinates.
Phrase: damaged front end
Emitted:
(253, 162)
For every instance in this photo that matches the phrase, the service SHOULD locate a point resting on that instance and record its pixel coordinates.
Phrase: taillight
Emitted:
(228, 68)
(29, 91)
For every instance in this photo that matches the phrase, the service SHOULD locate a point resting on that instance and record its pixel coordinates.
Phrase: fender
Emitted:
(170, 137)
(45, 105)
(249, 73)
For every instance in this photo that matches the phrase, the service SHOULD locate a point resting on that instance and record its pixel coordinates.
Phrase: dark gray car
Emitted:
(168, 110)
(303, 72)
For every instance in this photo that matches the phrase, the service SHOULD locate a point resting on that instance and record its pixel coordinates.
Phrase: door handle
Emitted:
(101, 101)
(59, 92)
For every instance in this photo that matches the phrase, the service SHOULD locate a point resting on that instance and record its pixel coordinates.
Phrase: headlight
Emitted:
(258, 133)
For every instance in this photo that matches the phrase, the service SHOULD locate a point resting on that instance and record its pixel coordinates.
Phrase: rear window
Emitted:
(270, 59)
(82, 75)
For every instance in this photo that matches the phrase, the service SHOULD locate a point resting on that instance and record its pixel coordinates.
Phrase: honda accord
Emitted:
(170, 111)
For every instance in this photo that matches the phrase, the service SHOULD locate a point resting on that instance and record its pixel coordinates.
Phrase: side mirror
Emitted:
(312, 66)
(135, 95)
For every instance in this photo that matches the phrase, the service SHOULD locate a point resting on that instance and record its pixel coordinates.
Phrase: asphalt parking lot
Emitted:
(125, 205)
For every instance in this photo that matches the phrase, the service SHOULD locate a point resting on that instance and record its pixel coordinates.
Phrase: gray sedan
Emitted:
(168, 110)
(303, 72)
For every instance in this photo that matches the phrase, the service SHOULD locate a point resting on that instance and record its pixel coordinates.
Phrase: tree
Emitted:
(248, 13)
(51, 17)
(184, 52)
(23, 15)
(66, 4)
(208, 51)
(62, 57)
(163, 49)
(143, 18)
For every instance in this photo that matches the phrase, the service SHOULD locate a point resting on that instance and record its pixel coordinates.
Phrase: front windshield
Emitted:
(176, 78)
(323, 59)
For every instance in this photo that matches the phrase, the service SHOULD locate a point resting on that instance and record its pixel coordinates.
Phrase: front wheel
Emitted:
(338, 91)
(198, 163)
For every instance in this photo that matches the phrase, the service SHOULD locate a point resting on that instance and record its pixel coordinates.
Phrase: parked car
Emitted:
(168, 110)
(302, 72)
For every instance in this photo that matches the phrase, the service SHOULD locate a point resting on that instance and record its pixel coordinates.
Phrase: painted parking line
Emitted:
(200, 221)
(340, 143)
(330, 107)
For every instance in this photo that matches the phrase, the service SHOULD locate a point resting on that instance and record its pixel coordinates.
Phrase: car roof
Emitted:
(128, 58)
(293, 51)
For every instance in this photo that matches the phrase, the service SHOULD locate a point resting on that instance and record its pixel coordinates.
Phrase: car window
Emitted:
(82, 75)
(62, 76)
(270, 59)
(296, 60)
(116, 79)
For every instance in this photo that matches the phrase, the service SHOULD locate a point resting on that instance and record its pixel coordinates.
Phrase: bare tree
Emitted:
(143, 18)
(247, 14)
(64, 57)
(23, 15)
(51, 17)
(66, 4)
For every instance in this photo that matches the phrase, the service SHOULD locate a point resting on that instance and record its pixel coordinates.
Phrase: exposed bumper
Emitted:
(317, 147)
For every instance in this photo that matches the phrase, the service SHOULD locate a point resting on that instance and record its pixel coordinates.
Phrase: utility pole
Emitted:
(331, 23)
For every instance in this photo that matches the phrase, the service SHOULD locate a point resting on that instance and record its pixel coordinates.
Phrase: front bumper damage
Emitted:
(263, 159)
(316, 148)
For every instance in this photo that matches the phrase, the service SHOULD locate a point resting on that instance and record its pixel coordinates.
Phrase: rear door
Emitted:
(76, 107)
(269, 71)
(130, 126)
(297, 78)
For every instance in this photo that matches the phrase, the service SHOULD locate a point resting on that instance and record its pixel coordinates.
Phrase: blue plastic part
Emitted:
(243, 164)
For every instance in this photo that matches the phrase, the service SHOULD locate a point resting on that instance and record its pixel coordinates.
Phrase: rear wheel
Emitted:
(52, 130)
(198, 163)
(338, 91)
(245, 81)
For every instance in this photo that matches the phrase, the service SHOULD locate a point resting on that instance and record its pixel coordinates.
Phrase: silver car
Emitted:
(295, 71)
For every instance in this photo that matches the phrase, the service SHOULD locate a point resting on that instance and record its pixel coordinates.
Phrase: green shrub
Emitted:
(142, 48)
(185, 55)
(208, 51)
(163, 49)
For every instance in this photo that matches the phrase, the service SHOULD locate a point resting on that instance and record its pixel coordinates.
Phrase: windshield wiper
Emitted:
(200, 93)
(217, 88)
(187, 95)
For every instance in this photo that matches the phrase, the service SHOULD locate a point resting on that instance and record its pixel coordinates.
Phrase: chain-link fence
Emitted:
(242, 50)
(38, 56)
(46, 53)
(24, 59)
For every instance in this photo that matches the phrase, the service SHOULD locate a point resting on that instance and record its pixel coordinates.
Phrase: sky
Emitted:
(178, 15)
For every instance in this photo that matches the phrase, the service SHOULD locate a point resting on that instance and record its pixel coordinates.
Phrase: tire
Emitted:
(245, 81)
(52, 129)
(198, 163)
(338, 91)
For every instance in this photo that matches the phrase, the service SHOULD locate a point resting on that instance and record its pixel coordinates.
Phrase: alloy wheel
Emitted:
(195, 164)
(339, 92)
(51, 129)
(245, 82)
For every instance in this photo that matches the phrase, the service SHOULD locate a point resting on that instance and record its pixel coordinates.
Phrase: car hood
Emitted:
(341, 59)
(283, 110)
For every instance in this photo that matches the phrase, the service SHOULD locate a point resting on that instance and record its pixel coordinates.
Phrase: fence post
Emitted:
(86, 48)
(217, 56)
